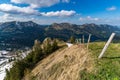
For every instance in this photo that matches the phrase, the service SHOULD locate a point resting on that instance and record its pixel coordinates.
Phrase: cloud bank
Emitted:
(62, 13)
(113, 8)
(9, 8)
(37, 3)
(89, 18)
(32, 8)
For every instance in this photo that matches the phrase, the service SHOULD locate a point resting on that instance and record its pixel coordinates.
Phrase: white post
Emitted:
(80, 41)
(77, 41)
(88, 40)
(83, 39)
(106, 45)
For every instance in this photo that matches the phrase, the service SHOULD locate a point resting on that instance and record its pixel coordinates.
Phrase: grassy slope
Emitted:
(64, 64)
(76, 63)
(107, 68)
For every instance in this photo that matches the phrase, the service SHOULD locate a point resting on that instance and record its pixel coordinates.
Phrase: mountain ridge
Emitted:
(20, 34)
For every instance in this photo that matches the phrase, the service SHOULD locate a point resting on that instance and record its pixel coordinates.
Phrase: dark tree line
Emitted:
(39, 51)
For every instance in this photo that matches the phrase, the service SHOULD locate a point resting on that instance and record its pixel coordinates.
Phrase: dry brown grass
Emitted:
(64, 64)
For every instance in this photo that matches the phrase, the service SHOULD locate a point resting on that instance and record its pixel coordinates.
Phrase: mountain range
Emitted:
(17, 34)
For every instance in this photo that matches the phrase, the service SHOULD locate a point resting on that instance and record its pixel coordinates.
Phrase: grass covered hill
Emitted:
(52, 60)
(64, 64)
(77, 63)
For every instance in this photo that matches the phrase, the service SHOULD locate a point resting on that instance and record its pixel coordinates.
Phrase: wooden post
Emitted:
(106, 45)
(83, 39)
(80, 41)
(77, 41)
(88, 41)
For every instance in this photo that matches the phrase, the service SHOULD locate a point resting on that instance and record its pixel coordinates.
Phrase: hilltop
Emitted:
(77, 63)
(50, 61)
(64, 64)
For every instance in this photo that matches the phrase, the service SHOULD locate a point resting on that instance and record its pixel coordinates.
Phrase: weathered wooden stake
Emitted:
(83, 39)
(88, 41)
(80, 41)
(106, 45)
(77, 40)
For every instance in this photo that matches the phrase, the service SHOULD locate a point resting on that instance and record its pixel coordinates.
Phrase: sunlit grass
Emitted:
(107, 68)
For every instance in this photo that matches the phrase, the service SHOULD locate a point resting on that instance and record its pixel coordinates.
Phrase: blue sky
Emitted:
(51, 11)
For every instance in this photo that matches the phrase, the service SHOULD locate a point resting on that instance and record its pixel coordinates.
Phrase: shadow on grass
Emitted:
(111, 57)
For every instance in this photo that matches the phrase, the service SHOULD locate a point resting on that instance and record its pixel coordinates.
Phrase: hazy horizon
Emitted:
(61, 23)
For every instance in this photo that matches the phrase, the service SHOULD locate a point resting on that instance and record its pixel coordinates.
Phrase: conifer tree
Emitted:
(72, 39)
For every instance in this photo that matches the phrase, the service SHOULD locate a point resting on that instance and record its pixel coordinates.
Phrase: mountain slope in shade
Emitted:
(65, 30)
(65, 64)
(20, 34)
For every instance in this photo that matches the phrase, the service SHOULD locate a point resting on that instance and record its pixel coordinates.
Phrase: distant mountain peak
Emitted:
(31, 22)
(60, 26)
(20, 22)
(25, 33)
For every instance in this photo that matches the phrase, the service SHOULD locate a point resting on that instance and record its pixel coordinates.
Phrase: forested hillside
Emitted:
(21, 34)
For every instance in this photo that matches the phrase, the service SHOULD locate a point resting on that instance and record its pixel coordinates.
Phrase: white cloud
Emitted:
(89, 18)
(9, 8)
(37, 3)
(18, 13)
(12, 17)
(62, 13)
(16, 1)
(113, 8)
(81, 19)
(6, 17)
(67, 1)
